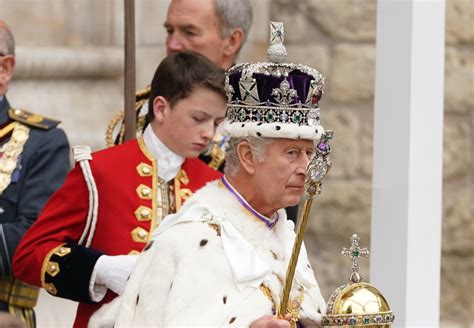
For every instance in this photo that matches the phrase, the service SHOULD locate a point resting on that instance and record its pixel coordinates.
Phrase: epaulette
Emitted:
(218, 147)
(32, 119)
(143, 94)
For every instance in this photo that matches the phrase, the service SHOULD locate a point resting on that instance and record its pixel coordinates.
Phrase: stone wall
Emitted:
(70, 67)
(338, 38)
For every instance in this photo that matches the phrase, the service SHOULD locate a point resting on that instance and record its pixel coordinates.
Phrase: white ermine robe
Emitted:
(214, 264)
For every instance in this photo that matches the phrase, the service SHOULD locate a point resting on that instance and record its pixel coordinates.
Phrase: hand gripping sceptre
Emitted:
(316, 170)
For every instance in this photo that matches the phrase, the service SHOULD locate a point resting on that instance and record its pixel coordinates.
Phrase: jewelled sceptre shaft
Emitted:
(315, 172)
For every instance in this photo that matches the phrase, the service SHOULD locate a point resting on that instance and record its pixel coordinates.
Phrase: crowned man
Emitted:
(84, 244)
(222, 259)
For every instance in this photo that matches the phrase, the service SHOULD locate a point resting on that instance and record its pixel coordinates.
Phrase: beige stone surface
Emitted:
(366, 142)
(459, 79)
(67, 62)
(312, 54)
(353, 73)
(84, 106)
(459, 21)
(261, 18)
(350, 20)
(457, 281)
(458, 223)
(36, 23)
(458, 147)
(299, 28)
(149, 18)
(345, 146)
(333, 270)
(148, 59)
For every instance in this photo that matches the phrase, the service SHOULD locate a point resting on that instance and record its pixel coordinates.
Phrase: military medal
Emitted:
(12, 150)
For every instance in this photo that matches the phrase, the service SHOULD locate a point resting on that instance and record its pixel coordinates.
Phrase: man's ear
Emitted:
(7, 64)
(234, 41)
(160, 109)
(246, 157)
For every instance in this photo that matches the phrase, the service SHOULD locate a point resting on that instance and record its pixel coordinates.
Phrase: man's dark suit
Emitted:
(40, 169)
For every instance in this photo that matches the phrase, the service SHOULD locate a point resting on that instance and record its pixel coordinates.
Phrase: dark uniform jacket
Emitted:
(41, 168)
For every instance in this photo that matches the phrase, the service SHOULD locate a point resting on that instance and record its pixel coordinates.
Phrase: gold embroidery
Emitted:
(144, 170)
(143, 213)
(7, 129)
(185, 194)
(183, 177)
(50, 288)
(155, 198)
(144, 192)
(53, 268)
(133, 252)
(34, 118)
(139, 235)
(62, 251)
(45, 264)
(163, 207)
(13, 149)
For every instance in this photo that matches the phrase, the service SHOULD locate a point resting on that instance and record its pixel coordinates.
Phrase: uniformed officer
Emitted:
(34, 160)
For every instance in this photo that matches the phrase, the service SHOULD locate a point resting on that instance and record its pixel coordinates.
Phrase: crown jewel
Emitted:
(274, 99)
(357, 304)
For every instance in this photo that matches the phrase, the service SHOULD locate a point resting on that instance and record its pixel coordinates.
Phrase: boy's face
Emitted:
(189, 126)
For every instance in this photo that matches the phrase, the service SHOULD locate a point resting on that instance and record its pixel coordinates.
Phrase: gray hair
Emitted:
(7, 42)
(234, 14)
(257, 145)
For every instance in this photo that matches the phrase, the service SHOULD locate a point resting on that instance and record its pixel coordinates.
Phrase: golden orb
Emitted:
(357, 304)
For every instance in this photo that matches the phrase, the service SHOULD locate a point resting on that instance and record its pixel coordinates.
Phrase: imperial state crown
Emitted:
(274, 99)
(357, 304)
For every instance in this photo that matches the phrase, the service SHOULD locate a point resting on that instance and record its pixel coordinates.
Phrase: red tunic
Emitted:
(129, 209)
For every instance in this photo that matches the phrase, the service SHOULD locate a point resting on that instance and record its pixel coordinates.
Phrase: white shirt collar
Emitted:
(169, 163)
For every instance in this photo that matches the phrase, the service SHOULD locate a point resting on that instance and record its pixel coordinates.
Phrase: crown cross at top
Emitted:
(277, 34)
(276, 51)
(355, 252)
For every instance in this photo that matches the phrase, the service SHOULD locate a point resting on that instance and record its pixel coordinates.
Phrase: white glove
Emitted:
(111, 272)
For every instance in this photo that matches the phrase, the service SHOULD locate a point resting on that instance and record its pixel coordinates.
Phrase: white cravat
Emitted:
(169, 163)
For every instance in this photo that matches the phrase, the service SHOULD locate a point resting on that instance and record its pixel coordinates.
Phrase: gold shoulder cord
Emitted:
(12, 150)
(217, 157)
(141, 97)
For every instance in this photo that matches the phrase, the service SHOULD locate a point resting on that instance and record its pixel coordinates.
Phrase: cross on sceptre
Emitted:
(355, 252)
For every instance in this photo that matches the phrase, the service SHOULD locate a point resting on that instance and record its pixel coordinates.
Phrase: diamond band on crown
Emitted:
(270, 114)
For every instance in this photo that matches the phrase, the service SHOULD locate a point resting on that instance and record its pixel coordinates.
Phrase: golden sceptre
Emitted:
(317, 168)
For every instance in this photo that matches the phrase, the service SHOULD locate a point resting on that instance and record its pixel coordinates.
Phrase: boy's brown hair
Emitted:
(180, 73)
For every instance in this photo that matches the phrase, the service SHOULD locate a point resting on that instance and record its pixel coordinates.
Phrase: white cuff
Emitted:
(96, 291)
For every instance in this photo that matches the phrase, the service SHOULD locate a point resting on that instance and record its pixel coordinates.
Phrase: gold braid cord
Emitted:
(315, 172)
(141, 97)
(293, 309)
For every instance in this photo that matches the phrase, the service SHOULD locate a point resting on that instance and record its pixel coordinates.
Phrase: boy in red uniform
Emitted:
(84, 244)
